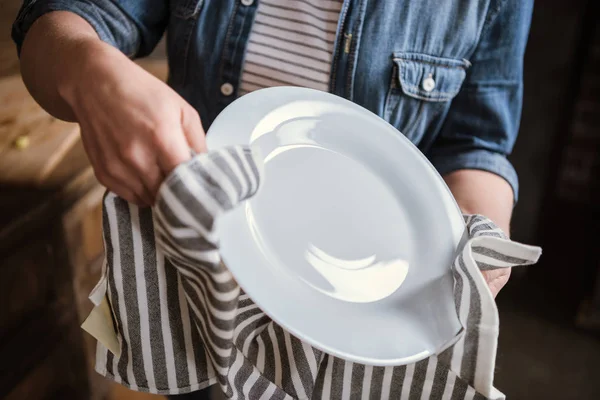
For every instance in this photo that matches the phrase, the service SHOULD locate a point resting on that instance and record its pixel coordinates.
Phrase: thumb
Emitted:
(176, 147)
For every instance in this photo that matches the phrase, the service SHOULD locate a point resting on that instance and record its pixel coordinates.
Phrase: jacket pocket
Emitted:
(421, 89)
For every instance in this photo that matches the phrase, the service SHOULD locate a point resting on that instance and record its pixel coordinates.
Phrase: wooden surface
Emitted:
(50, 259)
(54, 166)
(49, 139)
(41, 346)
(27, 276)
(50, 246)
(28, 210)
(52, 377)
(82, 230)
(9, 62)
(54, 149)
(54, 152)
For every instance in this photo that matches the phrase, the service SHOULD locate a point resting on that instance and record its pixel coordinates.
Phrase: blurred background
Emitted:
(51, 245)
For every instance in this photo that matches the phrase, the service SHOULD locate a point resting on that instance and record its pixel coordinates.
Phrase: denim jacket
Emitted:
(446, 73)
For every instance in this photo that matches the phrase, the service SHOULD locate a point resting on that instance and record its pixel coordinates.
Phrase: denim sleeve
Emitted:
(483, 121)
(134, 27)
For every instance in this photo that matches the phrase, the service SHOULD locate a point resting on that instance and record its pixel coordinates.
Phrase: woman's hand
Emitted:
(134, 127)
(481, 192)
(496, 279)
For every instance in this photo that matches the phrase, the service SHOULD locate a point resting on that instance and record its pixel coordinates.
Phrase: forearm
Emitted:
(482, 192)
(53, 54)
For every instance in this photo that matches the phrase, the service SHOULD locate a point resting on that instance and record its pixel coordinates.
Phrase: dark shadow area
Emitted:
(549, 313)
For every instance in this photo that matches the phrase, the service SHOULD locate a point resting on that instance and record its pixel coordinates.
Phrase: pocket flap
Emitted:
(430, 78)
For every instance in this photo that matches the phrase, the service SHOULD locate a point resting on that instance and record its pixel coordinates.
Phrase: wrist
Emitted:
(481, 192)
(86, 58)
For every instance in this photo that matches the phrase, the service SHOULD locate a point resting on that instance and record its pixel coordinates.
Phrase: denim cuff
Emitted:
(32, 10)
(478, 159)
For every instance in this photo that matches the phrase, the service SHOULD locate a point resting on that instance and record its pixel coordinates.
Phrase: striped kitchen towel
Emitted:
(181, 323)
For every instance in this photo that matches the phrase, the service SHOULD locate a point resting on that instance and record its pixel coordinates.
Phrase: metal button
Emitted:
(428, 84)
(247, 2)
(227, 89)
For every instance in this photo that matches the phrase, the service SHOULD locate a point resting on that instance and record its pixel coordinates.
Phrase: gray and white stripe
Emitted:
(184, 324)
(291, 44)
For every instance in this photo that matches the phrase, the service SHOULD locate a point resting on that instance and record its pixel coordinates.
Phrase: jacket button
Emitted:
(227, 89)
(428, 84)
(247, 2)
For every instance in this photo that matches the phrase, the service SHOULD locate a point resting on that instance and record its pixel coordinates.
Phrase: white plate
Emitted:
(348, 243)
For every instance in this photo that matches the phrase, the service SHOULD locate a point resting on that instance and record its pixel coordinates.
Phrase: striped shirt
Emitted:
(291, 44)
(183, 323)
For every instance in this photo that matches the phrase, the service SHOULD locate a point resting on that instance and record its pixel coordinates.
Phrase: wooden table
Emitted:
(50, 252)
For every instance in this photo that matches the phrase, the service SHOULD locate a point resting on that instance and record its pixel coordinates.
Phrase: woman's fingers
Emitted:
(496, 279)
(192, 129)
(124, 181)
(144, 164)
(172, 149)
(120, 189)
(135, 128)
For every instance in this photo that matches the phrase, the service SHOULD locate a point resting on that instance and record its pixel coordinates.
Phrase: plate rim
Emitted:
(449, 196)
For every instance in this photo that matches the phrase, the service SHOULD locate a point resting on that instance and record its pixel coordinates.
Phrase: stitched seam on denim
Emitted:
(351, 65)
(451, 162)
(23, 15)
(235, 47)
(386, 108)
(393, 86)
(491, 89)
(434, 96)
(353, 52)
(416, 120)
(461, 67)
(227, 38)
(418, 56)
(489, 19)
(336, 48)
(493, 14)
(185, 14)
(92, 20)
(187, 45)
(387, 111)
